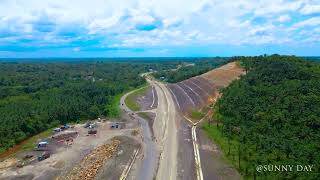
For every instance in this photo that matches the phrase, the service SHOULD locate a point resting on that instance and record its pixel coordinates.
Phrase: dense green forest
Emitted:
(36, 96)
(186, 70)
(271, 115)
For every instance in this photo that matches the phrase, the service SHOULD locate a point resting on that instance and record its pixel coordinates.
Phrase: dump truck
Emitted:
(92, 131)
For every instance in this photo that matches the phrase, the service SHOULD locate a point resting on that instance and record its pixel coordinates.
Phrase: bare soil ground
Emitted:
(193, 95)
(89, 166)
(186, 167)
(114, 167)
(181, 99)
(150, 117)
(224, 75)
(64, 155)
(212, 162)
(200, 91)
(149, 100)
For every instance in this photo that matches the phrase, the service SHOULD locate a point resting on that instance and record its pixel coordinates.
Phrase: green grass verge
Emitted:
(196, 115)
(31, 142)
(25, 145)
(113, 109)
(131, 98)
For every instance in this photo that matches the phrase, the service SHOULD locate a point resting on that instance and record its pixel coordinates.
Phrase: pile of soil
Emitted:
(90, 165)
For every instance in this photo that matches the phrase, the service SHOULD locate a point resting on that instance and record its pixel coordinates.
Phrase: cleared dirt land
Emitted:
(213, 163)
(223, 76)
(75, 149)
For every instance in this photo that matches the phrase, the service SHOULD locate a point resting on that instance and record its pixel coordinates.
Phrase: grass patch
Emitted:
(196, 115)
(131, 100)
(113, 109)
(31, 142)
(27, 144)
(145, 116)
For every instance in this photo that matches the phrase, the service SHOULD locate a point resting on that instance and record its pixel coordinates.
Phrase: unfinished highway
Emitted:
(166, 133)
(180, 151)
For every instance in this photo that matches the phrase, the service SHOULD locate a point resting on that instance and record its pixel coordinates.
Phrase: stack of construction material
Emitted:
(89, 166)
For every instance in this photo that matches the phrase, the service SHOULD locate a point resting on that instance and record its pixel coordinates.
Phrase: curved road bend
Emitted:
(165, 130)
(151, 155)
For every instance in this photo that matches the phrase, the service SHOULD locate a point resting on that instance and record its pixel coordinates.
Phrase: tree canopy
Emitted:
(38, 96)
(274, 113)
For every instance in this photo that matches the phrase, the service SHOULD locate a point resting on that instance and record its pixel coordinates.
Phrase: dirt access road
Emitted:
(147, 168)
(160, 153)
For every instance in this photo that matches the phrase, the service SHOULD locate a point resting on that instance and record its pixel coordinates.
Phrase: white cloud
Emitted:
(310, 9)
(284, 18)
(315, 21)
(101, 24)
(277, 6)
(181, 21)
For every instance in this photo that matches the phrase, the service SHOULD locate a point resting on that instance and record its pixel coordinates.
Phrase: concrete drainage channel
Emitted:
(196, 153)
(196, 148)
(126, 171)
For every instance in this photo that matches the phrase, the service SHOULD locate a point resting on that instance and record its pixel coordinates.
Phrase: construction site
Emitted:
(77, 152)
(155, 141)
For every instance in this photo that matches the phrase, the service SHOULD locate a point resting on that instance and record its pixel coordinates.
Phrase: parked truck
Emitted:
(44, 156)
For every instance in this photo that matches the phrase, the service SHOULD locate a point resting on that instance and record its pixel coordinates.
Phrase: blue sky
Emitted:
(138, 28)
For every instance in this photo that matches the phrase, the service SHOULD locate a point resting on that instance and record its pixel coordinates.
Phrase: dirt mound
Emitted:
(89, 166)
(224, 75)
(8, 163)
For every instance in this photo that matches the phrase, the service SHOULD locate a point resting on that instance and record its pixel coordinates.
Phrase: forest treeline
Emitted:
(273, 115)
(38, 96)
(190, 69)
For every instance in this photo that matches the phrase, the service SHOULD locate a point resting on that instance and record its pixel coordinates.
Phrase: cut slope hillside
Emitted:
(199, 91)
(224, 75)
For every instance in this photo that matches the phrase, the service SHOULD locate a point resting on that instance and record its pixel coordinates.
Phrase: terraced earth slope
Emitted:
(199, 91)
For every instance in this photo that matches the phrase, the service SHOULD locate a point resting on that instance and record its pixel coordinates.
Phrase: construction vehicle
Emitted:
(44, 156)
(92, 131)
(42, 144)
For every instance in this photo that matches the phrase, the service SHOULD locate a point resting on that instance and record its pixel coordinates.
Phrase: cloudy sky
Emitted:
(117, 28)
